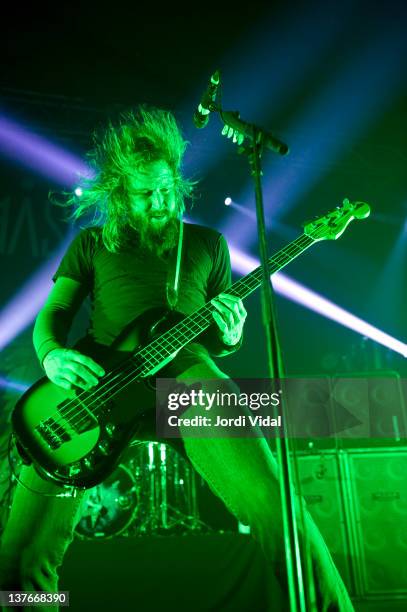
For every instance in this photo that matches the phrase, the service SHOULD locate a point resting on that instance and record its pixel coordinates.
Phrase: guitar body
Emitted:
(57, 432)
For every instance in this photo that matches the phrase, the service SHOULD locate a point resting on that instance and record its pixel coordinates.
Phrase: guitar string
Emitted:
(130, 366)
(203, 315)
(128, 369)
(133, 374)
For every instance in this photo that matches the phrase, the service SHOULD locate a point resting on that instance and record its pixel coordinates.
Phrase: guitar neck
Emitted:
(191, 326)
(153, 356)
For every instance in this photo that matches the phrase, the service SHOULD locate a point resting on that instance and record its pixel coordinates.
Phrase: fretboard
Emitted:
(171, 341)
(151, 357)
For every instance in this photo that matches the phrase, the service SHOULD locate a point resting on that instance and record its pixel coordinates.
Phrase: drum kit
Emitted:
(153, 491)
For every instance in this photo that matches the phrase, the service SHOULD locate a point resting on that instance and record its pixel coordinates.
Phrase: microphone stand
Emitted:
(301, 588)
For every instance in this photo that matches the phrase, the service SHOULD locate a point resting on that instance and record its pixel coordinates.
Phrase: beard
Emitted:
(157, 239)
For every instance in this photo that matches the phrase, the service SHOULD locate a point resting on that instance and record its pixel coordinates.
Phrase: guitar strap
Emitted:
(174, 271)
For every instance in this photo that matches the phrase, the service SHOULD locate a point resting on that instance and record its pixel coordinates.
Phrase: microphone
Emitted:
(201, 115)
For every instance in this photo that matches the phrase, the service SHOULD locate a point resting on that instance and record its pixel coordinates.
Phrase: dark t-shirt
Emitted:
(123, 285)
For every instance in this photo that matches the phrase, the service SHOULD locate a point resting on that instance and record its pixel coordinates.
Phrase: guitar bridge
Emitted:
(53, 433)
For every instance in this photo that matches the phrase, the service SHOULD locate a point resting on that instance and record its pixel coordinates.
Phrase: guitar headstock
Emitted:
(333, 224)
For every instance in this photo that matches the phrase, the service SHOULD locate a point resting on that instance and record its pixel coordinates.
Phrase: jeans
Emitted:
(241, 471)
(38, 532)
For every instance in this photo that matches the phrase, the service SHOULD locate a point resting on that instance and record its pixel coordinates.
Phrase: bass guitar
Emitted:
(76, 438)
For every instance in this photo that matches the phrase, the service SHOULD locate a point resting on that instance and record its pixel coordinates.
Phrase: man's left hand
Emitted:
(230, 315)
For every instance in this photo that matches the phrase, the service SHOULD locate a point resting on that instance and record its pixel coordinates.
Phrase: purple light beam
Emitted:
(327, 127)
(13, 385)
(26, 303)
(259, 66)
(298, 293)
(35, 152)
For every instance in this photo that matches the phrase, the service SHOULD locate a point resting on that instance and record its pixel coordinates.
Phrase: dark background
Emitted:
(328, 77)
(67, 68)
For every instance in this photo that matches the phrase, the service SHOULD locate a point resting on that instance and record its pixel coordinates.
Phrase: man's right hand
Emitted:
(70, 369)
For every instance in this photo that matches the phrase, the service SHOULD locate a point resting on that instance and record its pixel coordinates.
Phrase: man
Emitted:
(123, 260)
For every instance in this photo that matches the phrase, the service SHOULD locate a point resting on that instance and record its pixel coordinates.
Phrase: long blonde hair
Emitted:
(143, 136)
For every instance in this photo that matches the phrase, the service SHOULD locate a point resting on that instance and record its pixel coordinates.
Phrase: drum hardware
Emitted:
(153, 491)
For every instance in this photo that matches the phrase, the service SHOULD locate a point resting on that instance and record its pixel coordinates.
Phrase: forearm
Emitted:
(50, 330)
(55, 318)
